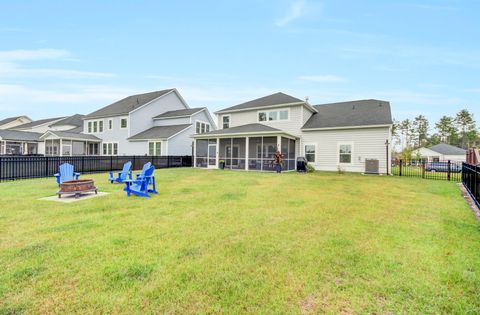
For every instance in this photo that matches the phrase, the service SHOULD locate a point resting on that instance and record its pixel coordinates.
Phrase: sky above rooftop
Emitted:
(66, 57)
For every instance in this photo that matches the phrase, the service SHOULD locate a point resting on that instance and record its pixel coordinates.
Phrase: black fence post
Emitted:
(83, 163)
(449, 170)
(400, 169)
(1, 168)
(424, 164)
(46, 166)
(168, 161)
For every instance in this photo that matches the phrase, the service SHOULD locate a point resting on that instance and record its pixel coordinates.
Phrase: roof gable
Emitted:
(447, 149)
(179, 113)
(127, 104)
(266, 101)
(74, 120)
(350, 114)
(36, 123)
(11, 119)
(159, 132)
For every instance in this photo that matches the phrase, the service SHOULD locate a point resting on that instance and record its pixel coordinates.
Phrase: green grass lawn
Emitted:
(241, 242)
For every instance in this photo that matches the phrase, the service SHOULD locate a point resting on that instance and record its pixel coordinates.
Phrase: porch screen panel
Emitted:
(255, 153)
(201, 152)
(32, 148)
(78, 148)
(225, 152)
(284, 152)
(291, 154)
(238, 153)
(269, 148)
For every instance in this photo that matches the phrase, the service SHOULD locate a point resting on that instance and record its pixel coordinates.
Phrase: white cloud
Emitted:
(296, 10)
(35, 54)
(11, 65)
(323, 78)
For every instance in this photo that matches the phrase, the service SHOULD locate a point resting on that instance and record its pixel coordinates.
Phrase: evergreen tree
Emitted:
(446, 130)
(420, 129)
(466, 127)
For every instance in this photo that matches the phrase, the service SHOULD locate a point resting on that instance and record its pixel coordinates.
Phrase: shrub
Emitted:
(340, 170)
(310, 168)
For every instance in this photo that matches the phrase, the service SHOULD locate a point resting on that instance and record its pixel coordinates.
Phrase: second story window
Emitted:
(110, 124)
(100, 126)
(89, 127)
(273, 115)
(226, 121)
(95, 126)
(201, 127)
(123, 123)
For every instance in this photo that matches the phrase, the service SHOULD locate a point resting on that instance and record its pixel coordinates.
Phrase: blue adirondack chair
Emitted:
(66, 173)
(145, 167)
(126, 172)
(139, 187)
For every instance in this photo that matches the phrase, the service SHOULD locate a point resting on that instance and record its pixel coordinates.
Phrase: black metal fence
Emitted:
(442, 170)
(26, 167)
(471, 181)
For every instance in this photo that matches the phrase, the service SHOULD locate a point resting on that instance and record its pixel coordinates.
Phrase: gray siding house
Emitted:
(331, 136)
(155, 123)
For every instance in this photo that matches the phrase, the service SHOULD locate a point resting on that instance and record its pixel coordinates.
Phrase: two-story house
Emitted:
(155, 123)
(331, 136)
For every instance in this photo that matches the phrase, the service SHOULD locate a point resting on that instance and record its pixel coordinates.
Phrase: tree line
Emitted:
(460, 130)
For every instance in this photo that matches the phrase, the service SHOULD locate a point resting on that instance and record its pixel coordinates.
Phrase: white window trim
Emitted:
(98, 126)
(202, 122)
(229, 120)
(338, 152)
(128, 122)
(110, 120)
(278, 110)
(107, 143)
(155, 146)
(315, 154)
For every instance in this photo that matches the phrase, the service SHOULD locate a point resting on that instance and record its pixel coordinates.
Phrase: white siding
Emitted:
(172, 121)
(181, 144)
(292, 125)
(368, 143)
(141, 119)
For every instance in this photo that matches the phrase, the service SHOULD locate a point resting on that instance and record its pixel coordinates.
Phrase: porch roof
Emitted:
(70, 136)
(243, 130)
(159, 132)
(16, 135)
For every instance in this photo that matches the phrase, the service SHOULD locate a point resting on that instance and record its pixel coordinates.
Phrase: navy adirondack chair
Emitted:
(66, 173)
(122, 176)
(139, 187)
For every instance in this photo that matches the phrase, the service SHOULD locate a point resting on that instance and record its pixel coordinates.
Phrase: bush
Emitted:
(340, 170)
(310, 168)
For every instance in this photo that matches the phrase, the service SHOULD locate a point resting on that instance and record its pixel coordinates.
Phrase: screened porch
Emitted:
(245, 153)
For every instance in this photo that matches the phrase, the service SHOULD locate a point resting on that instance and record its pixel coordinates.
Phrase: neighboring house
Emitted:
(441, 152)
(340, 135)
(40, 126)
(66, 137)
(13, 142)
(155, 123)
(12, 122)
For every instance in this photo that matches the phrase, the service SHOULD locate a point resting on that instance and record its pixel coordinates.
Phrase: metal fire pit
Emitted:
(76, 187)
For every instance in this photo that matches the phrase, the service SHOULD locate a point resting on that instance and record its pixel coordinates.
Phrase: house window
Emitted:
(110, 148)
(310, 152)
(123, 123)
(202, 127)
(100, 126)
(226, 121)
(262, 116)
(94, 127)
(110, 124)
(89, 127)
(345, 153)
(273, 115)
(155, 148)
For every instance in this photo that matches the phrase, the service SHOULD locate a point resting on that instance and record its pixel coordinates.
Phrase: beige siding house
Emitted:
(345, 135)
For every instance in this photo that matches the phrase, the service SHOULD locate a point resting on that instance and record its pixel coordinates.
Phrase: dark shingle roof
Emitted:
(242, 129)
(179, 113)
(126, 105)
(274, 99)
(447, 149)
(35, 123)
(75, 120)
(9, 119)
(16, 135)
(159, 132)
(73, 135)
(350, 114)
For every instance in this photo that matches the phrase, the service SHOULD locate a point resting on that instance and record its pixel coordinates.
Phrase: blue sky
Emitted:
(66, 57)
